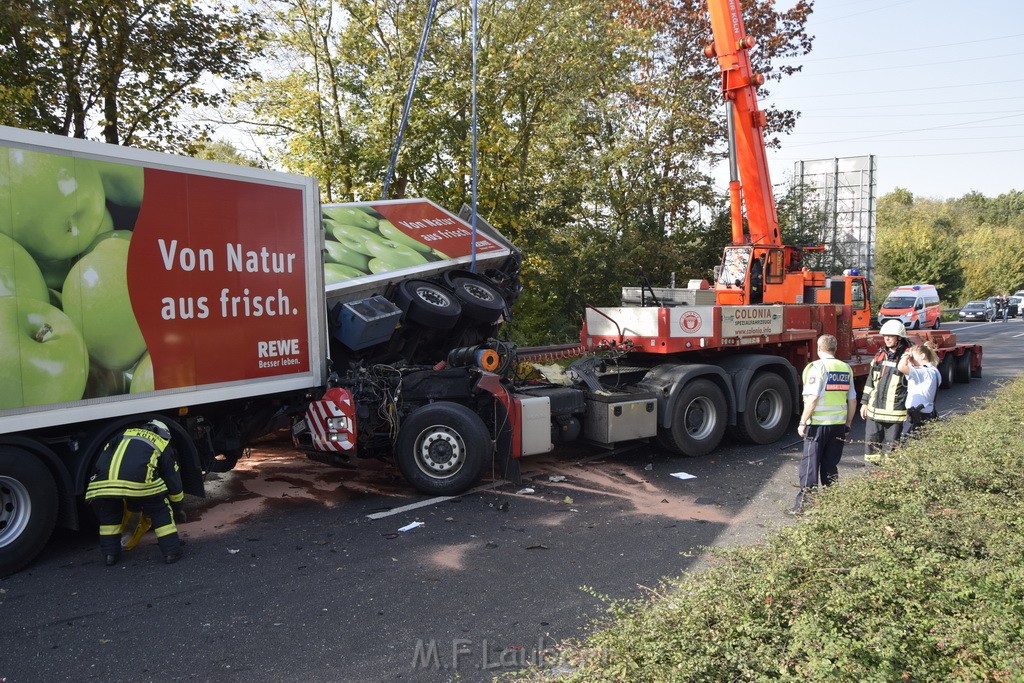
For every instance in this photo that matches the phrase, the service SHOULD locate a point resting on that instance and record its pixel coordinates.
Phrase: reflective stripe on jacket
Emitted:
(832, 403)
(136, 466)
(885, 391)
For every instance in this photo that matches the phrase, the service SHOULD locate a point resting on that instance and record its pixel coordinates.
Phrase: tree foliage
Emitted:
(597, 121)
(966, 247)
(125, 69)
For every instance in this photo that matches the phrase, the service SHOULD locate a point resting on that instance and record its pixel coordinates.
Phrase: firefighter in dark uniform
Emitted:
(883, 404)
(138, 470)
(830, 404)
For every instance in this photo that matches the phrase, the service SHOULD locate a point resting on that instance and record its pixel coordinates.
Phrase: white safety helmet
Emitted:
(894, 328)
(158, 427)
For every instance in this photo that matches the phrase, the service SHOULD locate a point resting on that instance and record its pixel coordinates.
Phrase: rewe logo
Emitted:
(277, 348)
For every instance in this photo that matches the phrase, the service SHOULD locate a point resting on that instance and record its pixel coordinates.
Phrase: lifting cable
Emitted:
(408, 98)
(473, 121)
(472, 180)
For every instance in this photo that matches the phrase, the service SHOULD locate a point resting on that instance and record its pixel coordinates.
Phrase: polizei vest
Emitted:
(832, 403)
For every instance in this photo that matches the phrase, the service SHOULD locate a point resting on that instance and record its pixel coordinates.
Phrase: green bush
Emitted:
(914, 572)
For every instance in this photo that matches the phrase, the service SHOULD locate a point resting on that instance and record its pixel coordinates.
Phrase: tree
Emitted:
(223, 151)
(917, 243)
(596, 119)
(967, 247)
(991, 268)
(122, 69)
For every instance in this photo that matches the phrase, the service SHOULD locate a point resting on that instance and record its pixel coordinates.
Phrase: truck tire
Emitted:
(698, 420)
(962, 371)
(946, 371)
(480, 301)
(938, 322)
(428, 304)
(442, 448)
(768, 408)
(28, 508)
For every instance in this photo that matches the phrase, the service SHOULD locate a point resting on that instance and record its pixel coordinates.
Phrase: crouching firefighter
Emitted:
(138, 471)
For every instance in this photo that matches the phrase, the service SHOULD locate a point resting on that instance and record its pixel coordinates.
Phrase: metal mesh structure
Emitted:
(839, 195)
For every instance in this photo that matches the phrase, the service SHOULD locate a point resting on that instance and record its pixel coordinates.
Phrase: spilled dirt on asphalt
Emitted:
(273, 475)
(621, 485)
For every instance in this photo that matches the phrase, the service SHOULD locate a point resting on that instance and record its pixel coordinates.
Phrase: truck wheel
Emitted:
(767, 411)
(946, 371)
(442, 447)
(428, 304)
(480, 301)
(938, 322)
(698, 420)
(962, 371)
(28, 508)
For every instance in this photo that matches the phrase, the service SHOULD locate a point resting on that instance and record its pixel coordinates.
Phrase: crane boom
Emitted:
(756, 267)
(731, 46)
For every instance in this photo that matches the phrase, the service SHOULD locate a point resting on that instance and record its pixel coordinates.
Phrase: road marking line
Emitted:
(486, 487)
(433, 501)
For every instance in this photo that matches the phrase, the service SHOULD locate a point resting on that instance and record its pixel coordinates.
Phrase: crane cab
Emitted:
(764, 275)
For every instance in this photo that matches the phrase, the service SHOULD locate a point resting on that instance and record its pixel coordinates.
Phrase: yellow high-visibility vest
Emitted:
(832, 402)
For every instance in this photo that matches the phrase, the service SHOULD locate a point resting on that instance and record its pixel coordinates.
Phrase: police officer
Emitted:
(830, 403)
(138, 469)
(883, 403)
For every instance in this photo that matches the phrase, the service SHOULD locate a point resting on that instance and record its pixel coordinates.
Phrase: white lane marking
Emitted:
(433, 501)
(486, 487)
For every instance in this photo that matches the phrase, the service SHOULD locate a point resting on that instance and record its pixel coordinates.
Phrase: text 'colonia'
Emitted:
(753, 314)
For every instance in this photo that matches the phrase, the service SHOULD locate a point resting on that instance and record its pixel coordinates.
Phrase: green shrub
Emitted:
(914, 572)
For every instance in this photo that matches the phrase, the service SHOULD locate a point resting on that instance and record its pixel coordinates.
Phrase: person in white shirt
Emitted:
(923, 380)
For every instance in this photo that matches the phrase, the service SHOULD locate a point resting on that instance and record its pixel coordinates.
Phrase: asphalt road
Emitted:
(297, 571)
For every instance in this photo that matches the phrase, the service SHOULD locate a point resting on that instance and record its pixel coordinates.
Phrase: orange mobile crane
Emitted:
(756, 267)
(731, 356)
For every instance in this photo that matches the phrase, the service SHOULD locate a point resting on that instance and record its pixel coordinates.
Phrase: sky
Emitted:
(933, 88)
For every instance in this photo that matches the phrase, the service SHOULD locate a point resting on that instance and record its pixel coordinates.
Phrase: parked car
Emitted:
(977, 310)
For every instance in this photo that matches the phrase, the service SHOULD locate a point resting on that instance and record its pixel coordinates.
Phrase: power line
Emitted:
(953, 154)
(886, 7)
(813, 58)
(915, 115)
(918, 104)
(924, 66)
(914, 156)
(841, 132)
(901, 90)
(912, 130)
(902, 140)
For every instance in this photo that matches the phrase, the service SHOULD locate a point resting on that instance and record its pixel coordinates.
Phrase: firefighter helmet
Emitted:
(159, 428)
(894, 328)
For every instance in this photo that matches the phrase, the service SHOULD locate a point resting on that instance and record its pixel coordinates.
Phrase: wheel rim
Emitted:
(478, 292)
(440, 451)
(768, 409)
(433, 296)
(15, 509)
(700, 418)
